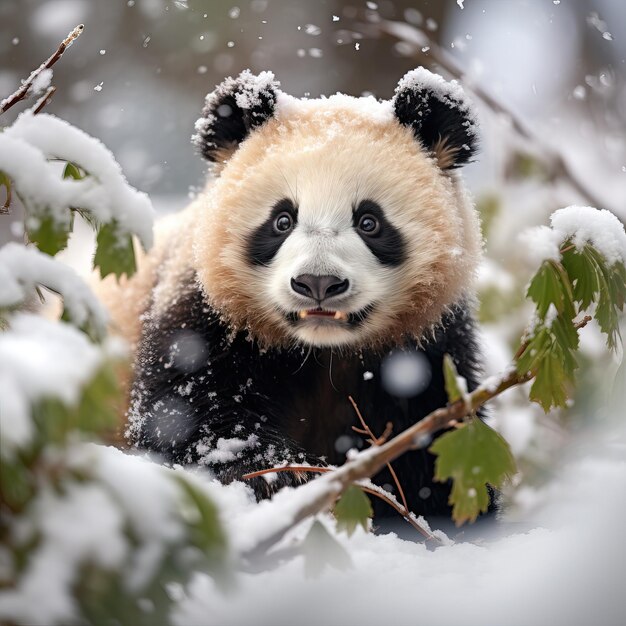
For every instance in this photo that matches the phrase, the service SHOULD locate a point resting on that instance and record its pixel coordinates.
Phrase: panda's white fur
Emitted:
(325, 156)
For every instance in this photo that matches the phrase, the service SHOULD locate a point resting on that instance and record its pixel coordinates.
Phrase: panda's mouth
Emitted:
(338, 316)
(329, 316)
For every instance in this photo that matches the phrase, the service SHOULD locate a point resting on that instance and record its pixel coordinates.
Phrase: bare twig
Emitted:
(22, 92)
(404, 512)
(320, 494)
(560, 165)
(377, 442)
(41, 103)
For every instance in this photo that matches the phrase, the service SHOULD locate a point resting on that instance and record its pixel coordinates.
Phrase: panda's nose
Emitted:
(319, 287)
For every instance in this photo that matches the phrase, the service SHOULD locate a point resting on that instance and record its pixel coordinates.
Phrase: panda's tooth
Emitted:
(303, 314)
(340, 315)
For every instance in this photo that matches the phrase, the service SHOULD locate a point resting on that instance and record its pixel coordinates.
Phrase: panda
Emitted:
(332, 254)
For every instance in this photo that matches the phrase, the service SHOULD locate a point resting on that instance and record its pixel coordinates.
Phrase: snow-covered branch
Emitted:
(22, 269)
(39, 79)
(27, 151)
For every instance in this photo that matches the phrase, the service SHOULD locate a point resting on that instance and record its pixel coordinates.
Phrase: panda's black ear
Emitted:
(232, 111)
(440, 116)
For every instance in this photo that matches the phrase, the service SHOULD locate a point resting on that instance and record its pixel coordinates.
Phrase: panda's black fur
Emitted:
(198, 381)
(296, 404)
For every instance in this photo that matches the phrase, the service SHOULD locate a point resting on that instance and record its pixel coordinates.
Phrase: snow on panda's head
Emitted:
(336, 221)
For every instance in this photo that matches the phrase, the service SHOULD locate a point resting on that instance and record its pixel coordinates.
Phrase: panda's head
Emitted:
(337, 221)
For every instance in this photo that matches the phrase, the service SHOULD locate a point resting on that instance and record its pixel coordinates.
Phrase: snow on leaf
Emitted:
(26, 150)
(473, 456)
(353, 509)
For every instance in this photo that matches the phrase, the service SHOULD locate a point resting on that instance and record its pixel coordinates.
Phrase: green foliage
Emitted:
(114, 252)
(473, 456)
(48, 233)
(452, 380)
(322, 550)
(595, 281)
(353, 509)
(561, 291)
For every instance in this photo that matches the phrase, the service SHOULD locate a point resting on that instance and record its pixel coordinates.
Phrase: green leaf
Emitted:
(473, 456)
(353, 508)
(322, 550)
(452, 380)
(114, 251)
(72, 170)
(551, 356)
(583, 274)
(50, 235)
(551, 285)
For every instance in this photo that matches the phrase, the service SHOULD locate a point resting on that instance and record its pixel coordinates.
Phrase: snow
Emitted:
(22, 269)
(566, 558)
(42, 359)
(583, 225)
(42, 81)
(377, 112)
(25, 148)
(226, 450)
(81, 525)
(600, 228)
(540, 244)
(92, 522)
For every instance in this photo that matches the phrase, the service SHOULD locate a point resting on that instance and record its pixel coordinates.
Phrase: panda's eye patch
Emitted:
(283, 223)
(368, 225)
(378, 233)
(265, 241)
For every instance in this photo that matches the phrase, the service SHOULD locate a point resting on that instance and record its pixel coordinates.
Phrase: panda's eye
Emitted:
(369, 225)
(283, 223)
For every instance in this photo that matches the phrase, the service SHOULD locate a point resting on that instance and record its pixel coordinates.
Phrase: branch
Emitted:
(378, 492)
(22, 92)
(560, 165)
(41, 103)
(320, 494)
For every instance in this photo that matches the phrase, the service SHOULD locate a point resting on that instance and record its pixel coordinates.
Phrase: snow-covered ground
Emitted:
(565, 566)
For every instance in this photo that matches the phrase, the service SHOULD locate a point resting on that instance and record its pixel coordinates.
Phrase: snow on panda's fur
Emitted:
(348, 205)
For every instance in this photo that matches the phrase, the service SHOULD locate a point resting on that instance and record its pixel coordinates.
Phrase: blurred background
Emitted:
(138, 75)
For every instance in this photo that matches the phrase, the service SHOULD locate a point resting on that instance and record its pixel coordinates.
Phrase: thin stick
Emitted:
(321, 470)
(320, 494)
(41, 103)
(377, 442)
(561, 167)
(22, 92)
